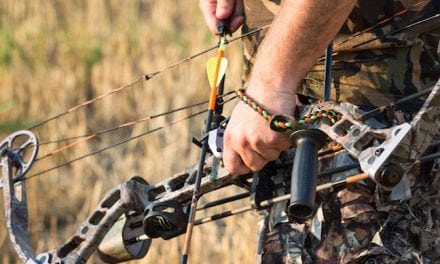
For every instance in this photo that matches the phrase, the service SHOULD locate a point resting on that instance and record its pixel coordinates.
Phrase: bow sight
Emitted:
(132, 214)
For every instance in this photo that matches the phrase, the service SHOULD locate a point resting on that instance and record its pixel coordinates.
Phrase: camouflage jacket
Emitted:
(359, 224)
(363, 224)
(366, 72)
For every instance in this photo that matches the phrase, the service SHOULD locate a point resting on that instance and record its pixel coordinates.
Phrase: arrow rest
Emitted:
(215, 139)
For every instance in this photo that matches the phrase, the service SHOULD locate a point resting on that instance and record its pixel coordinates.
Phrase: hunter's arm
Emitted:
(297, 38)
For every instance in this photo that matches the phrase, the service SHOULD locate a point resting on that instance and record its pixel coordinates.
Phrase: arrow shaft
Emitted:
(196, 193)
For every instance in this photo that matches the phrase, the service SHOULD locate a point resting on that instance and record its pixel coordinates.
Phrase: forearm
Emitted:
(297, 38)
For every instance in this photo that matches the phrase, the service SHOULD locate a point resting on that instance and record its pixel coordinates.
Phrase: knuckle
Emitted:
(254, 161)
(236, 168)
(236, 141)
(257, 166)
(224, 3)
(255, 141)
(272, 155)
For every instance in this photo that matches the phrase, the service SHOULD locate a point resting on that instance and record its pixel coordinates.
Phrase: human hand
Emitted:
(295, 40)
(214, 10)
(249, 143)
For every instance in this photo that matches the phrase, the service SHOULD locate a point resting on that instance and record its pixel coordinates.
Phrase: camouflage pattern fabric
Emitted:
(362, 224)
(370, 74)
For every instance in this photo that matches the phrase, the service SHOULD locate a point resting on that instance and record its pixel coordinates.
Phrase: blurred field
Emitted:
(57, 54)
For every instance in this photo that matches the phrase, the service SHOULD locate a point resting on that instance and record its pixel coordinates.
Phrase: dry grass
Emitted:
(57, 54)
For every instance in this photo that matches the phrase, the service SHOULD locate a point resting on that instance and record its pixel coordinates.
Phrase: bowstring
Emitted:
(149, 76)
(166, 125)
(144, 78)
(83, 138)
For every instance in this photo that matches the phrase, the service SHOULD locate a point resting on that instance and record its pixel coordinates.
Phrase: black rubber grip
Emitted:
(304, 173)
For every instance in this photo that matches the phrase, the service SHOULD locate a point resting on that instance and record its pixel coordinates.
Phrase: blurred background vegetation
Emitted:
(57, 54)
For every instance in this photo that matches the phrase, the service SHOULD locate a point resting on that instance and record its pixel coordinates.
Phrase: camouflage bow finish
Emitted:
(127, 208)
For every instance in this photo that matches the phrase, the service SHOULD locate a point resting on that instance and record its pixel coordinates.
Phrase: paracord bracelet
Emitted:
(282, 122)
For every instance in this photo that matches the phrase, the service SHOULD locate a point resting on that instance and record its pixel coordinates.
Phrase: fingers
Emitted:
(244, 162)
(231, 10)
(225, 8)
(242, 158)
(249, 143)
(208, 8)
(234, 163)
(237, 18)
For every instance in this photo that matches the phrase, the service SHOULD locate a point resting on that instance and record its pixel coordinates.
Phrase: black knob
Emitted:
(304, 173)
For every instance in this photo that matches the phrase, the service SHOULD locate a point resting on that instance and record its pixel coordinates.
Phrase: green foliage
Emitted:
(83, 51)
(7, 105)
(12, 126)
(92, 55)
(7, 45)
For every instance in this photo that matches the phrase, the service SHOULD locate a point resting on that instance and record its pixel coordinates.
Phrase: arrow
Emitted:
(211, 110)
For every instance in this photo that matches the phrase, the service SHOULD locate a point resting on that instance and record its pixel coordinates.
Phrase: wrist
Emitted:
(276, 96)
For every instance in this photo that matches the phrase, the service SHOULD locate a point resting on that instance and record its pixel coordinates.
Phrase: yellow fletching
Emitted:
(210, 68)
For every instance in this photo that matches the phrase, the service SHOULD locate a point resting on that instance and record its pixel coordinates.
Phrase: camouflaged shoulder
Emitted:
(377, 72)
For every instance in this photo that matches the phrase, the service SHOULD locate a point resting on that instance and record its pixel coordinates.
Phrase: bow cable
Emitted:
(193, 56)
(120, 142)
(144, 78)
(116, 144)
(420, 22)
(149, 76)
(89, 136)
(381, 23)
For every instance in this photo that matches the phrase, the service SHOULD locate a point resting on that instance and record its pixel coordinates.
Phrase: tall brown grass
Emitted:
(58, 54)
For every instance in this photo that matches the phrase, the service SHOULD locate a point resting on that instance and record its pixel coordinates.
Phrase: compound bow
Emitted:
(124, 223)
(132, 214)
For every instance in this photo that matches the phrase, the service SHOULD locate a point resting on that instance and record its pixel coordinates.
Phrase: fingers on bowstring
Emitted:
(224, 9)
(208, 8)
(231, 11)
(238, 16)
